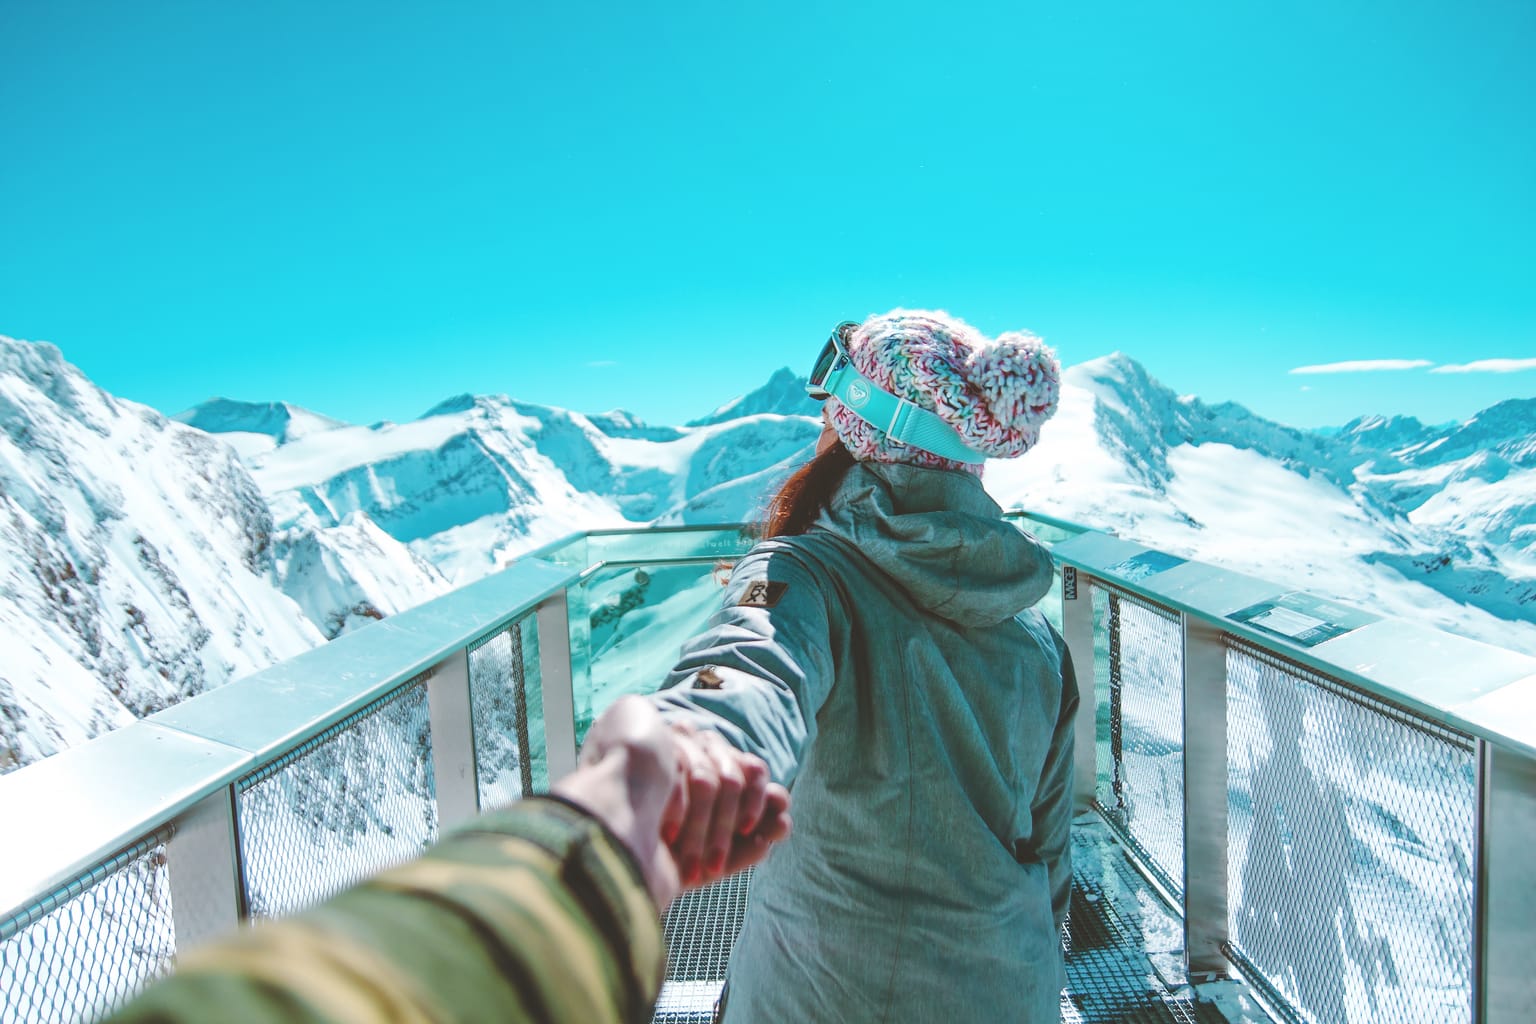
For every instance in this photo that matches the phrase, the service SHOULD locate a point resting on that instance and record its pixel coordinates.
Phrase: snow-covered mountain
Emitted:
(783, 395)
(148, 561)
(254, 427)
(478, 480)
(137, 560)
(1432, 524)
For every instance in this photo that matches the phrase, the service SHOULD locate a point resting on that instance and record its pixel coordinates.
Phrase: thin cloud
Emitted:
(1365, 366)
(1489, 366)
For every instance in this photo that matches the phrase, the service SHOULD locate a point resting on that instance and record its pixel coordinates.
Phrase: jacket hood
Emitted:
(941, 536)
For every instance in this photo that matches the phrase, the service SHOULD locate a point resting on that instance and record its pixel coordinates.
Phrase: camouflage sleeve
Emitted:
(532, 913)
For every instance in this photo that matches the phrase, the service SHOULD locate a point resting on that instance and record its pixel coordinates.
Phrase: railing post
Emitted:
(1205, 800)
(454, 770)
(1077, 630)
(555, 676)
(203, 868)
(1506, 900)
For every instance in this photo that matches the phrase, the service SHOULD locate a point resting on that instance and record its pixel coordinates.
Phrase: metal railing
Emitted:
(1338, 803)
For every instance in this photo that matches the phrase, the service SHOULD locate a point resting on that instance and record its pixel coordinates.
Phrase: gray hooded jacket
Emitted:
(887, 664)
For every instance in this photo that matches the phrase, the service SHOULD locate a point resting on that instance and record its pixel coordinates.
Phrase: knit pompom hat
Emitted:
(995, 393)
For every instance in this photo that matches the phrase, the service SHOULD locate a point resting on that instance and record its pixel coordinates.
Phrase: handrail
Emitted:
(172, 774)
(1065, 525)
(106, 794)
(137, 778)
(1473, 687)
(1485, 694)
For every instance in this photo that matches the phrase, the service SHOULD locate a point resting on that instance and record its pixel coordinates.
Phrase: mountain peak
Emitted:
(1383, 433)
(1122, 383)
(464, 403)
(783, 395)
(1115, 366)
(622, 423)
(280, 421)
(44, 367)
(1508, 428)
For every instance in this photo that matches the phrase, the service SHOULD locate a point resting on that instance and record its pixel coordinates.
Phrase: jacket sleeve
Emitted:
(532, 913)
(1051, 809)
(763, 666)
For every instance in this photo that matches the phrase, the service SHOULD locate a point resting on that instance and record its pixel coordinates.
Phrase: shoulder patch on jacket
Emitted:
(762, 594)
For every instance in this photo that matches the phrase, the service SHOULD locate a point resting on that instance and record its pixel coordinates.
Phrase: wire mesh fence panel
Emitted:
(357, 798)
(90, 947)
(1140, 786)
(1350, 845)
(498, 700)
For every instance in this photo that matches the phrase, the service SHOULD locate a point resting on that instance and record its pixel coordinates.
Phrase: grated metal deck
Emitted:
(1124, 946)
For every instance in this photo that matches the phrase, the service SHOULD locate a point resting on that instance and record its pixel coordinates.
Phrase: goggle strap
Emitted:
(900, 420)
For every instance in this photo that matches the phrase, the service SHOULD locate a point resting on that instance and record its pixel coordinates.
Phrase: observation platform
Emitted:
(1124, 948)
(1289, 810)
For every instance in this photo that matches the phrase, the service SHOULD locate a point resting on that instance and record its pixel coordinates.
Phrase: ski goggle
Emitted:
(834, 376)
(834, 356)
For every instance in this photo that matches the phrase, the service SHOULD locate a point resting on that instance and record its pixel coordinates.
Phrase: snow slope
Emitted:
(478, 480)
(1434, 525)
(136, 556)
(251, 428)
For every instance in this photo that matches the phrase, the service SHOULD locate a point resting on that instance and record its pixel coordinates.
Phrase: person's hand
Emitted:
(627, 775)
(649, 784)
(732, 815)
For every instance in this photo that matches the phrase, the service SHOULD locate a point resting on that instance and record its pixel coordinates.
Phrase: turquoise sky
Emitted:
(364, 208)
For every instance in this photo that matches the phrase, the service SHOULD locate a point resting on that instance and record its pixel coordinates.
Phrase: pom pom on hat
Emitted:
(996, 393)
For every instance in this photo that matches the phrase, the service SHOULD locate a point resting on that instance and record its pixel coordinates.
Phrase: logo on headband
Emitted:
(858, 394)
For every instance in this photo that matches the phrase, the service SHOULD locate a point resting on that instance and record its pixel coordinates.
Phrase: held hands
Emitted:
(691, 807)
(732, 813)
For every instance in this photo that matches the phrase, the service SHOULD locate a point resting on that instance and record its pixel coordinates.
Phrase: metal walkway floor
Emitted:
(1124, 945)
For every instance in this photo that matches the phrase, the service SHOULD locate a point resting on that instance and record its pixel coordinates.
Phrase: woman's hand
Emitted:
(733, 812)
(676, 798)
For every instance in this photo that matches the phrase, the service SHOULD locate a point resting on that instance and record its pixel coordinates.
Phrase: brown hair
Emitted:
(792, 511)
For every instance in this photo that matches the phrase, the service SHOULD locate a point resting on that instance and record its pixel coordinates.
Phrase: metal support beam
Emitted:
(1205, 800)
(1506, 931)
(203, 868)
(1077, 630)
(453, 741)
(555, 674)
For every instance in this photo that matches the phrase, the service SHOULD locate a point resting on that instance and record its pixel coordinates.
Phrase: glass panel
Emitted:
(354, 800)
(96, 947)
(1350, 836)
(1048, 533)
(637, 620)
(533, 696)
(571, 553)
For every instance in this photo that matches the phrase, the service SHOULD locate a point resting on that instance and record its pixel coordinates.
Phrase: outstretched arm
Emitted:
(543, 911)
(763, 667)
